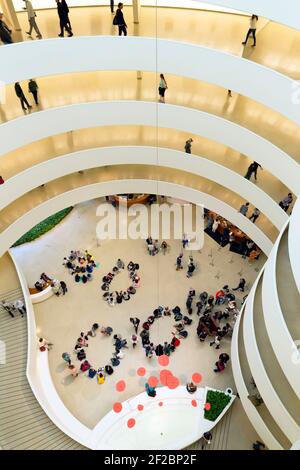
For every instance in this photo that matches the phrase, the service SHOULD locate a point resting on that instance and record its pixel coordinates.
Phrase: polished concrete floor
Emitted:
(62, 319)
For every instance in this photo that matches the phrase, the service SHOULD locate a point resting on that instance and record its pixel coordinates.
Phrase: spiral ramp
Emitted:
(264, 346)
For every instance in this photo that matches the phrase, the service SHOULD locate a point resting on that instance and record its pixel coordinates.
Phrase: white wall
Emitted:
(260, 375)
(55, 56)
(84, 193)
(27, 129)
(93, 158)
(294, 245)
(279, 334)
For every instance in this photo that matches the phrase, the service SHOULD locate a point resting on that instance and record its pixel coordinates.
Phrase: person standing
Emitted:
(21, 96)
(112, 6)
(188, 146)
(244, 209)
(135, 321)
(120, 21)
(179, 262)
(66, 357)
(63, 14)
(162, 87)
(64, 288)
(5, 32)
(255, 215)
(241, 285)
(207, 437)
(252, 30)
(286, 202)
(31, 19)
(33, 89)
(215, 225)
(20, 306)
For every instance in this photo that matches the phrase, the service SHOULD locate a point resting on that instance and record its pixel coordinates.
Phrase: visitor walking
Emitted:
(190, 270)
(135, 321)
(64, 22)
(5, 32)
(255, 215)
(252, 30)
(20, 306)
(286, 202)
(31, 19)
(244, 209)
(21, 96)
(8, 308)
(162, 87)
(188, 146)
(33, 89)
(252, 170)
(184, 241)
(120, 21)
(134, 340)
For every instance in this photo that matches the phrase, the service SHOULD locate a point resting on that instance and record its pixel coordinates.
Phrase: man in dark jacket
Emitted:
(21, 96)
(5, 32)
(33, 88)
(120, 20)
(63, 13)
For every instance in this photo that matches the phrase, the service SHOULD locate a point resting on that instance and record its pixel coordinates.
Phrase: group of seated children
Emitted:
(80, 265)
(117, 297)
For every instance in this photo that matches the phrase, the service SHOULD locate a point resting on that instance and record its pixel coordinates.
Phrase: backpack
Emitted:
(115, 20)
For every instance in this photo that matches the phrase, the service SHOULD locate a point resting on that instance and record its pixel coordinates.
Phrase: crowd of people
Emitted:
(81, 265)
(117, 297)
(178, 333)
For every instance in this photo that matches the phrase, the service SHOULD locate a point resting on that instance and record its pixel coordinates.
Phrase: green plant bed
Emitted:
(43, 227)
(218, 401)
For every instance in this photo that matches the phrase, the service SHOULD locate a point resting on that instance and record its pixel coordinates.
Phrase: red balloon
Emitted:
(140, 407)
(172, 382)
(163, 360)
(152, 381)
(194, 403)
(164, 374)
(141, 371)
(120, 386)
(196, 378)
(131, 422)
(207, 406)
(117, 407)
(160, 403)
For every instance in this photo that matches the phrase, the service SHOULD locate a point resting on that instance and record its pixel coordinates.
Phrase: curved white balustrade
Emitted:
(27, 129)
(287, 12)
(255, 418)
(279, 334)
(269, 395)
(84, 193)
(57, 56)
(294, 245)
(97, 157)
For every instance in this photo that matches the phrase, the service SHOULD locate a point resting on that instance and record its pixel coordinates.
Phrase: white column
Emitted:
(10, 14)
(136, 11)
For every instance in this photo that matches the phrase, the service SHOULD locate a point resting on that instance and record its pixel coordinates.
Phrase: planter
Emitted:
(219, 403)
